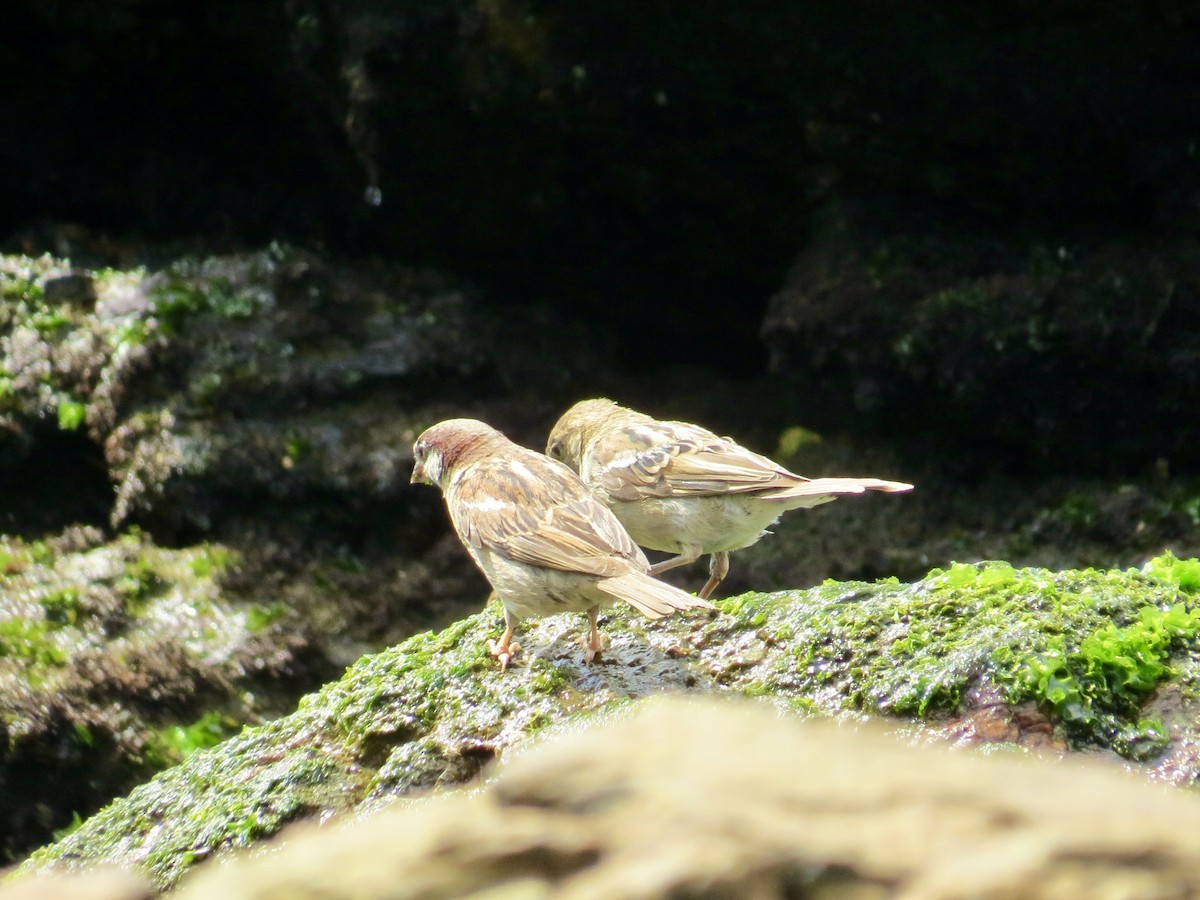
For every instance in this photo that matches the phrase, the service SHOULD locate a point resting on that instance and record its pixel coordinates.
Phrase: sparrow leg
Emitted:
(595, 641)
(718, 568)
(688, 555)
(505, 648)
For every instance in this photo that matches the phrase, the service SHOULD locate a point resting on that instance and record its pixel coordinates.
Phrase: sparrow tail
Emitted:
(649, 596)
(822, 490)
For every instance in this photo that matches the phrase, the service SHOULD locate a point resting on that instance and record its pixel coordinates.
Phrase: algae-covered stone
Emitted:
(433, 709)
(117, 659)
(272, 372)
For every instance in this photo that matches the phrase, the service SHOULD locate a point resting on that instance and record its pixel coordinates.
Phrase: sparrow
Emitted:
(679, 488)
(539, 536)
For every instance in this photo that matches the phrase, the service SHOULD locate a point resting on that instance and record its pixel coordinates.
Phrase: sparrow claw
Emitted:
(592, 647)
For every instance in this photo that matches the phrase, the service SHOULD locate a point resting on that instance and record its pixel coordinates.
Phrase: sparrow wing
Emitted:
(676, 459)
(535, 510)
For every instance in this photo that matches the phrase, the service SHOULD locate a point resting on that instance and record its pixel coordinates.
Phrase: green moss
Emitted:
(71, 414)
(1183, 574)
(260, 617)
(61, 606)
(31, 641)
(131, 332)
(50, 321)
(180, 300)
(211, 560)
(794, 439)
(22, 289)
(41, 553)
(175, 743)
(139, 583)
(11, 562)
(1097, 688)
(547, 678)
(1089, 646)
(296, 446)
(69, 828)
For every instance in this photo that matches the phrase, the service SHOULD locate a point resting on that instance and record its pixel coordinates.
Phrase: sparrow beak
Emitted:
(418, 475)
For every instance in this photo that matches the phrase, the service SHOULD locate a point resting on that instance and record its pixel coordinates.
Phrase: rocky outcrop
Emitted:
(983, 653)
(257, 409)
(268, 401)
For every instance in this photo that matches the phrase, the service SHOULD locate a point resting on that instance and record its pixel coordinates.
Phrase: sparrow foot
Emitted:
(592, 649)
(594, 642)
(504, 651)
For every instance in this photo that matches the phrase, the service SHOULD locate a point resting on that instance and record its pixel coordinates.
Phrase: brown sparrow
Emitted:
(536, 532)
(681, 489)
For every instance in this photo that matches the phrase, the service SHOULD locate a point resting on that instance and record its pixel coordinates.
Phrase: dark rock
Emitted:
(614, 158)
(76, 288)
(1060, 357)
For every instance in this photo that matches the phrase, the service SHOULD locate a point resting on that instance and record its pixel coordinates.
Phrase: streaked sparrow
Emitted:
(536, 532)
(680, 488)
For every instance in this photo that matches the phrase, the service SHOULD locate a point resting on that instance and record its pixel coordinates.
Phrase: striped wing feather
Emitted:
(543, 516)
(676, 459)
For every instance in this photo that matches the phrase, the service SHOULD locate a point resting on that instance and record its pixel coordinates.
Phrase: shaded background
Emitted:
(972, 226)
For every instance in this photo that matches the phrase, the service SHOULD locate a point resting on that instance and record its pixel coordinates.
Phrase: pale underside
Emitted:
(713, 523)
(528, 590)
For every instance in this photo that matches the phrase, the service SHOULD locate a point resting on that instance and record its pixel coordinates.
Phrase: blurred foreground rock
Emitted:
(715, 800)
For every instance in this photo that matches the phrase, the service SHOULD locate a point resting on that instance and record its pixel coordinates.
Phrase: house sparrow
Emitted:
(536, 532)
(682, 489)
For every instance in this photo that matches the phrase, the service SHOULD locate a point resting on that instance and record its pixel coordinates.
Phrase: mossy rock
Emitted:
(1071, 659)
(118, 659)
(211, 383)
(1057, 353)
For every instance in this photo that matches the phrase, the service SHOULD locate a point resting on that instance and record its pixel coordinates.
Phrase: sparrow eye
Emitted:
(554, 451)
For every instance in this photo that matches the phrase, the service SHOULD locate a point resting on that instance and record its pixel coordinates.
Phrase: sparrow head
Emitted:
(577, 427)
(444, 448)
